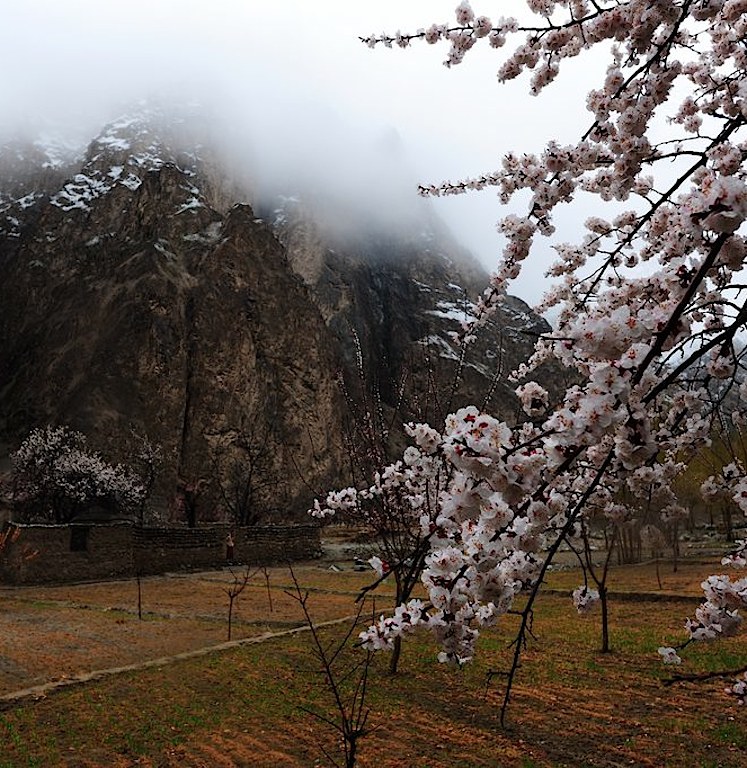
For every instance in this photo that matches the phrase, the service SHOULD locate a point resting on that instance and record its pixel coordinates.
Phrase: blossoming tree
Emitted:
(55, 476)
(649, 303)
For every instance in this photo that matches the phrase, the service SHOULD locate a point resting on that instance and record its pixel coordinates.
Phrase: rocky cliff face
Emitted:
(140, 290)
(405, 295)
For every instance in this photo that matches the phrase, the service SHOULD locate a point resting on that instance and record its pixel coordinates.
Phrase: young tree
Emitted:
(347, 686)
(17, 554)
(649, 303)
(390, 512)
(727, 447)
(585, 598)
(233, 591)
(385, 509)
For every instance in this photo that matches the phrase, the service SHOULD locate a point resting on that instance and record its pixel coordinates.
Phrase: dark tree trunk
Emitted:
(396, 653)
(605, 620)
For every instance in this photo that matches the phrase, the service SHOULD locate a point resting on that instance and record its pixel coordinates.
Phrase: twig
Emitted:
(697, 677)
(352, 713)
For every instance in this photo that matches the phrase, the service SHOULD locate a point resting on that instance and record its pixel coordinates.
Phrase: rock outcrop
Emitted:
(142, 290)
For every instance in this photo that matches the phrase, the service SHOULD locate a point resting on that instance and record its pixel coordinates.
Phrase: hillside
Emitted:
(147, 286)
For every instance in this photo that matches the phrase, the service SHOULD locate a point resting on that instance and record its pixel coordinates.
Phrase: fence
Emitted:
(38, 554)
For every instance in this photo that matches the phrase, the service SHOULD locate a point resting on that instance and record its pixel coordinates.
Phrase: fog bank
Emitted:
(291, 91)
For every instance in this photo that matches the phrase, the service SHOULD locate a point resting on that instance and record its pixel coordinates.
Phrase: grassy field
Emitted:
(572, 706)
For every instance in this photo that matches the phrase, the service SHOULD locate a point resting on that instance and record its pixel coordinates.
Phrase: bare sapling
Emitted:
(139, 595)
(348, 685)
(233, 591)
(266, 574)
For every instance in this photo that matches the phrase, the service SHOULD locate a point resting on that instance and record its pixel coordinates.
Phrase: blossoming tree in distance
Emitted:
(649, 304)
(56, 476)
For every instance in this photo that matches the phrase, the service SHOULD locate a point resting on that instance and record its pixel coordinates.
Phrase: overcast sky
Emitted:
(80, 62)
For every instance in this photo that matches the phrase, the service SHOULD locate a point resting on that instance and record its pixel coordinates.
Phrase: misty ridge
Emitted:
(301, 107)
(161, 303)
(352, 179)
(246, 83)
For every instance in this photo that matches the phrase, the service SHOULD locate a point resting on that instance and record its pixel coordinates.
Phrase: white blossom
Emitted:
(648, 305)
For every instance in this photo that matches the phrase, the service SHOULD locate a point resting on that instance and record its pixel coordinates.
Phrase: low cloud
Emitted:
(270, 100)
(297, 100)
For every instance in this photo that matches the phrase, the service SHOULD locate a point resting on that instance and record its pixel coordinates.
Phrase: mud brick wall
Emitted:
(47, 554)
(271, 544)
(44, 554)
(158, 550)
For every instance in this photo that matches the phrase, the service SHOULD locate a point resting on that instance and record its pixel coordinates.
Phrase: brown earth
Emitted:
(49, 633)
(572, 706)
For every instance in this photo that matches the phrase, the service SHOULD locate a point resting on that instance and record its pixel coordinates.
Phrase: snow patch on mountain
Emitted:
(58, 151)
(122, 155)
(440, 345)
(81, 191)
(449, 310)
(28, 200)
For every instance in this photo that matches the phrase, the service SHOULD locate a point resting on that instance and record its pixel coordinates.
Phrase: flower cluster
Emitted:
(55, 476)
(585, 599)
(669, 655)
(718, 615)
(335, 503)
(648, 308)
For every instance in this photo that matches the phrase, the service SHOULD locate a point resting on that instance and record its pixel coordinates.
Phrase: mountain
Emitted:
(404, 295)
(148, 285)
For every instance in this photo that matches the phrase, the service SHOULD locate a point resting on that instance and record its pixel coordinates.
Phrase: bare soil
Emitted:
(54, 632)
(572, 706)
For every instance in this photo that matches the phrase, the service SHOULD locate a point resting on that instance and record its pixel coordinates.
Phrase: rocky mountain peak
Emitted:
(148, 285)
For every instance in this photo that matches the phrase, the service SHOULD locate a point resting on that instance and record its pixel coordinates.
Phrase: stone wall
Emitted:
(37, 554)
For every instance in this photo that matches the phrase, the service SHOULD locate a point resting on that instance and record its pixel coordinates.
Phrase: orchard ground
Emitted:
(242, 706)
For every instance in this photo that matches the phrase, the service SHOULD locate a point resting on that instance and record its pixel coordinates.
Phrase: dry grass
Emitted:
(643, 577)
(572, 706)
